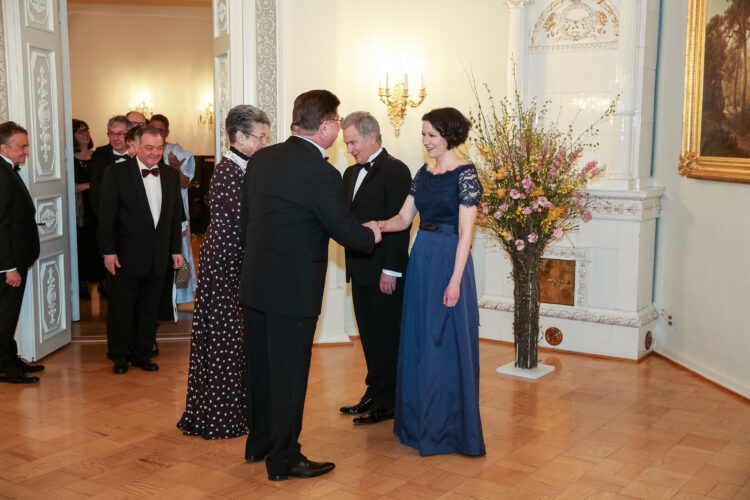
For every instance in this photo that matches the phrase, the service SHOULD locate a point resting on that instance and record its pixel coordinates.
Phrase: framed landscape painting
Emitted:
(716, 111)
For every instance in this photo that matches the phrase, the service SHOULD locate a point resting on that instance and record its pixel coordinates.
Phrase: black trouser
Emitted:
(10, 309)
(131, 315)
(277, 356)
(379, 324)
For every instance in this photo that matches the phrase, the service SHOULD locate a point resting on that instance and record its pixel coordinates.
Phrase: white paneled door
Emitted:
(35, 95)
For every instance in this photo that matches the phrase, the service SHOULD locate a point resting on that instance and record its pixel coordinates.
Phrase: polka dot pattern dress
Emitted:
(216, 402)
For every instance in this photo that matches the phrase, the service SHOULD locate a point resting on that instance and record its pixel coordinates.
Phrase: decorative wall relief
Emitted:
(221, 66)
(43, 94)
(266, 74)
(50, 286)
(39, 15)
(221, 18)
(49, 212)
(3, 75)
(576, 24)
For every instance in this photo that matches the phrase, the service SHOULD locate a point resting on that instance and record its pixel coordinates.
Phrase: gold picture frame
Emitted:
(692, 163)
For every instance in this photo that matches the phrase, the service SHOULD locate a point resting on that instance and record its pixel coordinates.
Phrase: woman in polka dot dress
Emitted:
(215, 403)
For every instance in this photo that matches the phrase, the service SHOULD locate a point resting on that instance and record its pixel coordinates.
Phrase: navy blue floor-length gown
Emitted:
(437, 395)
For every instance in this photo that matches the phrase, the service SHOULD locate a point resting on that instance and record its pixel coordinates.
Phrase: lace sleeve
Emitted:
(415, 182)
(469, 188)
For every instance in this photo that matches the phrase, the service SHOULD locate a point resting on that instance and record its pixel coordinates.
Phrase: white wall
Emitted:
(702, 263)
(341, 44)
(117, 52)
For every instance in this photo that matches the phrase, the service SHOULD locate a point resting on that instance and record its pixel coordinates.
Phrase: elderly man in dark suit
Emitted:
(140, 222)
(292, 204)
(19, 248)
(375, 188)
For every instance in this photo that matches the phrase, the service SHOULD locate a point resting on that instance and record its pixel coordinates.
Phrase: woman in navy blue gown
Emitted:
(437, 394)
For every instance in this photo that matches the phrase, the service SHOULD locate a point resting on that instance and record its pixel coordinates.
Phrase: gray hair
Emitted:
(365, 123)
(241, 118)
(119, 119)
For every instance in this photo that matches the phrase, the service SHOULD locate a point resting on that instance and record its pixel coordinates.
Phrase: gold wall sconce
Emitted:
(206, 115)
(396, 98)
(143, 105)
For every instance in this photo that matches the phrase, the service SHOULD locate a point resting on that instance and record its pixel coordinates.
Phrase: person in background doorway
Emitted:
(89, 265)
(183, 162)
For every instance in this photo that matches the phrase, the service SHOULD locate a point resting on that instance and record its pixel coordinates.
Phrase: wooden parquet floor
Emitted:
(594, 428)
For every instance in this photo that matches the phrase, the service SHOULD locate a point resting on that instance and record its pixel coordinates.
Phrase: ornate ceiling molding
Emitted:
(576, 24)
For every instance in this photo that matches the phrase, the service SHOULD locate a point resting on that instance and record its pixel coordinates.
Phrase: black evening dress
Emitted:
(437, 386)
(215, 404)
(89, 262)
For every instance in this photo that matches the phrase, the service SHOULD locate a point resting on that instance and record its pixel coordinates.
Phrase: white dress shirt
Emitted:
(152, 184)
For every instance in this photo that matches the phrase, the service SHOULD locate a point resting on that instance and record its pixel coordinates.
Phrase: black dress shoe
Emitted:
(255, 458)
(376, 415)
(361, 407)
(23, 365)
(305, 468)
(146, 365)
(18, 379)
(121, 366)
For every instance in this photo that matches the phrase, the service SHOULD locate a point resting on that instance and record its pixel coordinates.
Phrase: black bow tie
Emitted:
(154, 171)
(367, 166)
(16, 168)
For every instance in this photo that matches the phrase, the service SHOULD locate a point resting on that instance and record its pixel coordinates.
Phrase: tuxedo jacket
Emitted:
(379, 197)
(292, 204)
(102, 158)
(19, 236)
(126, 227)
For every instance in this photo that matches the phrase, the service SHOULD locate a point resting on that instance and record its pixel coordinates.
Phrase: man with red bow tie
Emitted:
(140, 216)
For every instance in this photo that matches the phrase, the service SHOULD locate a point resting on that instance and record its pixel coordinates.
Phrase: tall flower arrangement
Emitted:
(533, 193)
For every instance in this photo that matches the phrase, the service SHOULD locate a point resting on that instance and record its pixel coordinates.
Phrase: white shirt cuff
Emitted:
(8, 270)
(392, 273)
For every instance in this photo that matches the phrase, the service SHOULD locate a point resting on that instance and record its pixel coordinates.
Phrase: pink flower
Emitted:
(532, 238)
(485, 209)
(504, 207)
(527, 183)
(526, 211)
(523, 196)
(520, 244)
(587, 216)
(558, 233)
(497, 214)
(515, 194)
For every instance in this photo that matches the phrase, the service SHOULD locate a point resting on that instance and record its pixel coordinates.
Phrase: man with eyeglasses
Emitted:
(140, 221)
(114, 152)
(293, 203)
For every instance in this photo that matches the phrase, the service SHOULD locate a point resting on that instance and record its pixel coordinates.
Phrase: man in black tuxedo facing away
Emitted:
(375, 188)
(140, 223)
(19, 248)
(292, 204)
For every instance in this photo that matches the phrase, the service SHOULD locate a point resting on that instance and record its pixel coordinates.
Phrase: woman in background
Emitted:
(215, 404)
(437, 386)
(88, 260)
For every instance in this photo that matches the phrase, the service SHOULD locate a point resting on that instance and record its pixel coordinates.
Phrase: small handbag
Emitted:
(182, 278)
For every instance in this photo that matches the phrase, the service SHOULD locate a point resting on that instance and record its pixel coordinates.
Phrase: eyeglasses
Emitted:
(82, 130)
(339, 120)
(261, 138)
(117, 134)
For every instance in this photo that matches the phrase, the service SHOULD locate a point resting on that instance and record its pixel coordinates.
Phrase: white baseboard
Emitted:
(704, 371)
